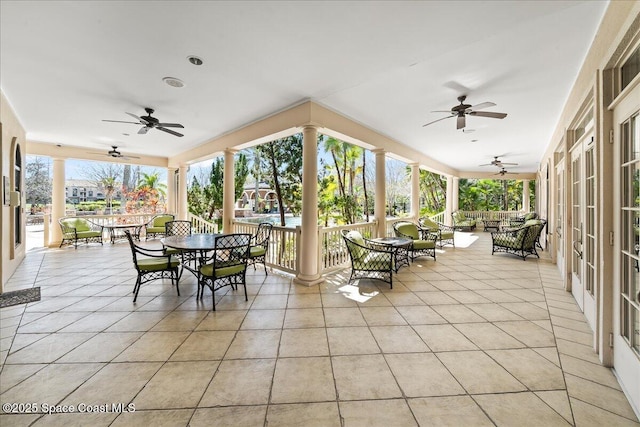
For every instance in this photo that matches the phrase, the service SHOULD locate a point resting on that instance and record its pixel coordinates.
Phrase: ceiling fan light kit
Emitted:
(463, 110)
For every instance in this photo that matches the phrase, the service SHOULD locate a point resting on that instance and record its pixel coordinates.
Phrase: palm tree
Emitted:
(152, 181)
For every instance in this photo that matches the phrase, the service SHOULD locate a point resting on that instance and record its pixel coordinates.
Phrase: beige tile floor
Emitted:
(469, 340)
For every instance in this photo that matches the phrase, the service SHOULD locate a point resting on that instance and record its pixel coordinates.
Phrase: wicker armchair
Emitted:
(75, 229)
(368, 260)
(520, 241)
(156, 226)
(519, 221)
(422, 245)
(445, 234)
(461, 222)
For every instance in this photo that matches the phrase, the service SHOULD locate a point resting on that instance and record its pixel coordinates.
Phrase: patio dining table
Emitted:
(198, 244)
(400, 247)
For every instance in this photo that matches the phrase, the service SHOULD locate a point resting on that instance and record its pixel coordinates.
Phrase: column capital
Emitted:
(310, 127)
(378, 151)
(231, 150)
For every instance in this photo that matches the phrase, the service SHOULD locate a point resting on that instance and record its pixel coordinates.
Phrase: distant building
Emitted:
(82, 190)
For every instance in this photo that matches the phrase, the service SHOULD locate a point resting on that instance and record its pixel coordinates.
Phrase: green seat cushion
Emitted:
(426, 222)
(77, 223)
(207, 270)
(376, 261)
(155, 229)
(355, 236)
(530, 215)
(256, 251)
(88, 234)
(156, 264)
(410, 230)
(160, 221)
(172, 251)
(446, 235)
(424, 244)
(533, 222)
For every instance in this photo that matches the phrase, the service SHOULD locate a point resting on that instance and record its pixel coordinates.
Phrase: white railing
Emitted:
(201, 225)
(283, 251)
(494, 215)
(439, 217)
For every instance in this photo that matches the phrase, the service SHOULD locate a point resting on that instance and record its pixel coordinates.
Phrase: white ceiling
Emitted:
(65, 66)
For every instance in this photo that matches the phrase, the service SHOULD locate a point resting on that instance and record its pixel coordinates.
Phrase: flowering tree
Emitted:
(144, 200)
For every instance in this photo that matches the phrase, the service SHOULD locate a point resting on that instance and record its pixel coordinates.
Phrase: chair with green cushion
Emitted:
(260, 245)
(179, 228)
(444, 233)
(75, 229)
(368, 260)
(157, 225)
(152, 264)
(423, 244)
(227, 265)
(520, 241)
(461, 222)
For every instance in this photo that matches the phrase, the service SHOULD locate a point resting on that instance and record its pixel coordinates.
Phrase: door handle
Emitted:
(578, 242)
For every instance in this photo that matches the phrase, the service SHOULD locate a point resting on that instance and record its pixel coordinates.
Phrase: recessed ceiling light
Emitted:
(125, 134)
(195, 60)
(474, 141)
(174, 82)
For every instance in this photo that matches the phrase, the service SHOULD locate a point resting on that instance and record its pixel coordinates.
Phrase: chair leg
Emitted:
(175, 276)
(136, 289)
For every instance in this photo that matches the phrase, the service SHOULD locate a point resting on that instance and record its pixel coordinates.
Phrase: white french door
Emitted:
(559, 217)
(583, 223)
(626, 347)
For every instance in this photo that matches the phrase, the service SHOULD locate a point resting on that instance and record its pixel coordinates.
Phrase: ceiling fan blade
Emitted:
(169, 131)
(488, 114)
(481, 106)
(120, 121)
(508, 164)
(170, 125)
(461, 122)
(128, 157)
(143, 130)
(135, 117)
(487, 164)
(448, 117)
(442, 111)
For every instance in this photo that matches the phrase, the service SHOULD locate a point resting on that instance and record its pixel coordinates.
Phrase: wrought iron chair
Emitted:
(445, 234)
(423, 244)
(156, 226)
(260, 245)
(461, 222)
(520, 241)
(74, 229)
(368, 259)
(179, 228)
(152, 264)
(227, 265)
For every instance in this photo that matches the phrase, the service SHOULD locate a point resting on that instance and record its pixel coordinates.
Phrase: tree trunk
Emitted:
(364, 184)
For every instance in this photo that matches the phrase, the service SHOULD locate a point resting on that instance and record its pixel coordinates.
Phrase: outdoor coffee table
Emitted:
(113, 231)
(400, 247)
(493, 224)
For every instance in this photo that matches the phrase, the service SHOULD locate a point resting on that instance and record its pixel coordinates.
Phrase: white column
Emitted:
(183, 208)
(228, 191)
(456, 189)
(58, 202)
(309, 272)
(526, 201)
(415, 191)
(171, 191)
(381, 193)
(449, 202)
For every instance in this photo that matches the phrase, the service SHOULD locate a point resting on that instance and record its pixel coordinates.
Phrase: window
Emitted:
(630, 68)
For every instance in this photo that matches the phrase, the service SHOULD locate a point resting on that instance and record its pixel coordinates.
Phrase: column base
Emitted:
(307, 280)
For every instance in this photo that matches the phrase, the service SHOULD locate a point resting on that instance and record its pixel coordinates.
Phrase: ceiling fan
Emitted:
(499, 163)
(114, 153)
(463, 110)
(502, 172)
(149, 122)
